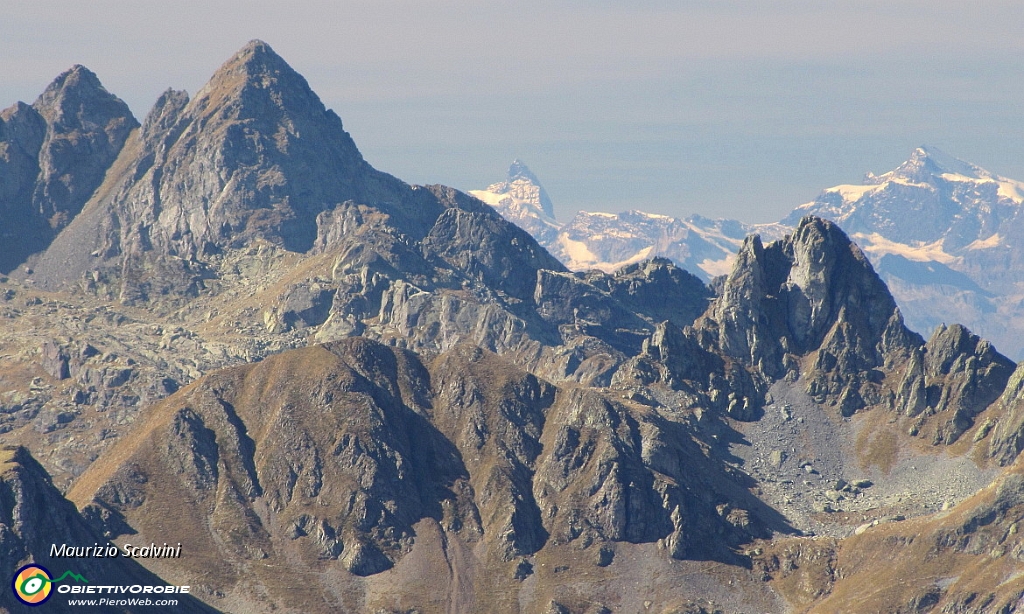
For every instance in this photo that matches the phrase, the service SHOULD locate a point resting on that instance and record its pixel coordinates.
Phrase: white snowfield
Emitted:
(610, 241)
(875, 245)
(946, 235)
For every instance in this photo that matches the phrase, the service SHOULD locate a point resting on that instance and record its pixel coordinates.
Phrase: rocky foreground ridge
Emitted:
(355, 394)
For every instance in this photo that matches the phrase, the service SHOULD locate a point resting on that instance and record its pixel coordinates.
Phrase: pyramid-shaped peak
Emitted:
(77, 98)
(254, 82)
(926, 163)
(256, 46)
(940, 160)
(258, 65)
(77, 80)
(257, 54)
(518, 171)
(76, 76)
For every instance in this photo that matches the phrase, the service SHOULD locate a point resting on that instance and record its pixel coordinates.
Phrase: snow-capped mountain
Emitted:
(945, 235)
(941, 232)
(930, 197)
(521, 199)
(609, 241)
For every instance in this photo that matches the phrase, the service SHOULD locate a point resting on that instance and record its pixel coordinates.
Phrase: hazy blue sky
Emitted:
(723, 108)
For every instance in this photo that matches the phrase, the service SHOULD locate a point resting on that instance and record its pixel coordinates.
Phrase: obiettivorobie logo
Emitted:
(33, 584)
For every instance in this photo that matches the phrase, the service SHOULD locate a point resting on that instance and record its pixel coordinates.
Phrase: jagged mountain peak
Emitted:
(812, 298)
(807, 292)
(523, 201)
(925, 164)
(77, 97)
(533, 192)
(53, 155)
(253, 155)
(256, 58)
(930, 195)
(256, 80)
(257, 48)
(519, 170)
(422, 436)
(77, 76)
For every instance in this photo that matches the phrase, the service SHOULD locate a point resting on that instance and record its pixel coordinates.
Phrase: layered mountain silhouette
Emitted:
(341, 392)
(608, 242)
(941, 232)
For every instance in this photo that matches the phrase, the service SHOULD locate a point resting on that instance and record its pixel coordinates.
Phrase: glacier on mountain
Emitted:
(943, 234)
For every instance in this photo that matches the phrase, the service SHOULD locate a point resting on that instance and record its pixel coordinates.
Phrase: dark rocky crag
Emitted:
(813, 295)
(395, 387)
(53, 156)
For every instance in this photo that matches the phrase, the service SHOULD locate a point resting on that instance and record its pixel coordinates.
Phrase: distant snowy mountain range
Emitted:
(607, 241)
(945, 235)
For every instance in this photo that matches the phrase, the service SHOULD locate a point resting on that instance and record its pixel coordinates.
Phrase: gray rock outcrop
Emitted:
(53, 156)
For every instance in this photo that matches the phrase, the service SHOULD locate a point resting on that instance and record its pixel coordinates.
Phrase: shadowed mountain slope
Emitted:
(53, 156)
(338, 457)
(321, 378)
(34, 516)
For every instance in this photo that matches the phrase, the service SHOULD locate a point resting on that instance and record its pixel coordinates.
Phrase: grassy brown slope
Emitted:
(371, 479)
(34, 517)
(969, 559)
(309, 469)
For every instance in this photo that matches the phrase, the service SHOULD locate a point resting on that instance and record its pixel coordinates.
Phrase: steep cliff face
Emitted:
(811, 290)
(657, 289)
(1008, 435)
(961, 375)
(813, 296)
(480, 426)
(53, 156)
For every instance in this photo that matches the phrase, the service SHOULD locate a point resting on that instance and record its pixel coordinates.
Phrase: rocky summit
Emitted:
(341, 392)
(53, 156)
(942, 233)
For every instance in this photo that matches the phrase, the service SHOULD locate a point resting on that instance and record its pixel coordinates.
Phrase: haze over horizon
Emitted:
(726, 109)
